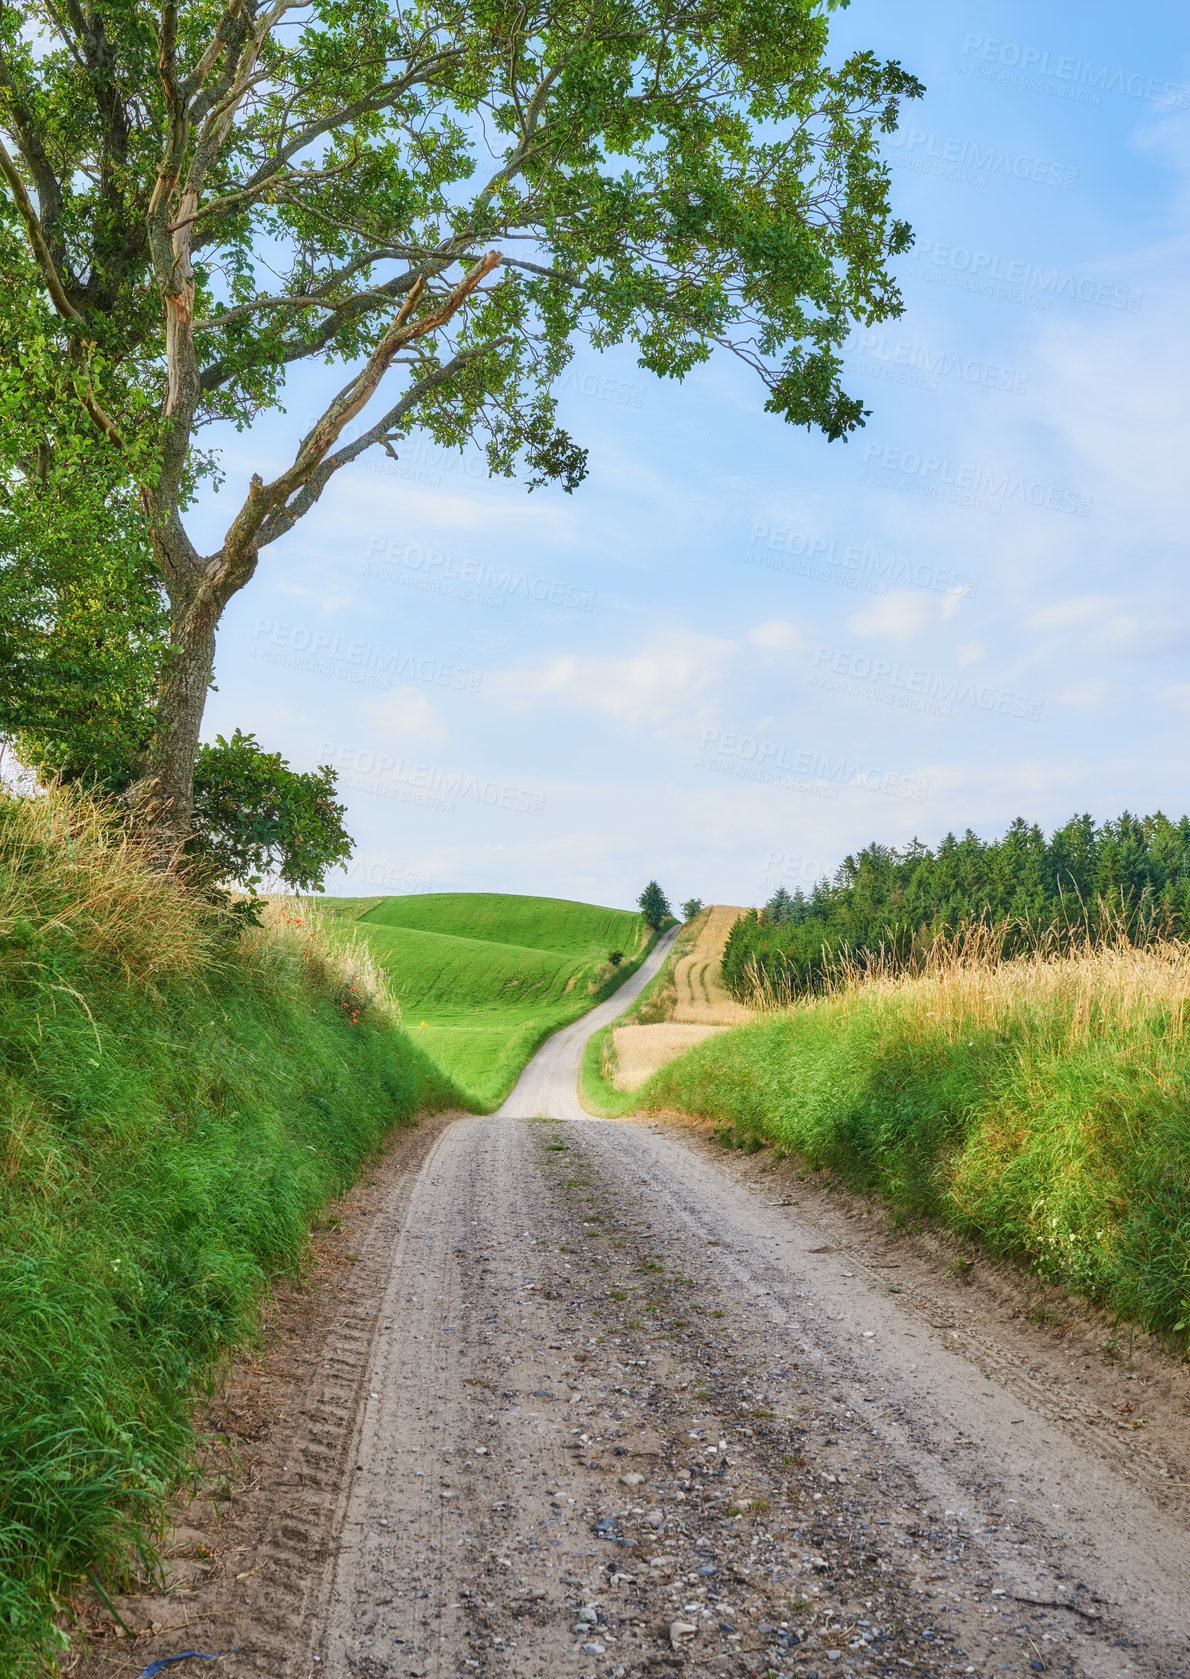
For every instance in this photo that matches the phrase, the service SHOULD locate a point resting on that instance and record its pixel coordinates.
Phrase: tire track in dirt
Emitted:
(593, 1406)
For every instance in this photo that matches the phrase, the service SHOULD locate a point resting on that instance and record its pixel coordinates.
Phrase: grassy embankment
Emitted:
(1039, 1106)
(177, 1103)
(483, 977)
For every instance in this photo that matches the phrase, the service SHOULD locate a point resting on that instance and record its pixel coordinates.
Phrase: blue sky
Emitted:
(738, 652)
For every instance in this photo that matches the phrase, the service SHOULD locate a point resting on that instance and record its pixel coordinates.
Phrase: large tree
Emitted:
(439, 197)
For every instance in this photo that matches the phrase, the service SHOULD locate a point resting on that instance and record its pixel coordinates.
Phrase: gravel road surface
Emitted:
(602, 1399)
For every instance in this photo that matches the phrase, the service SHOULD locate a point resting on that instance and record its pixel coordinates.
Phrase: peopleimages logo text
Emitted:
(937, 471)
(366, 771)
(794, 867)
(772, 758)
(1072, 77)
(899, 356)
(320, 651)
(871, 568)
(914, 688)
(987, 270)
(985, 158)
(388, 875)
(447, 569)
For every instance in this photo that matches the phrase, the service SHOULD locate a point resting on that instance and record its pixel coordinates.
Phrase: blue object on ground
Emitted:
(186, 1655)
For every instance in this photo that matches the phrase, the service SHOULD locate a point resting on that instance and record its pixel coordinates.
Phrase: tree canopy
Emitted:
(439, 201)
(1129, 876)
(256, 819)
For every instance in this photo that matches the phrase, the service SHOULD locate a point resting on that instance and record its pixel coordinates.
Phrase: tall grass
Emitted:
(175, 1103)
(1041, 1104)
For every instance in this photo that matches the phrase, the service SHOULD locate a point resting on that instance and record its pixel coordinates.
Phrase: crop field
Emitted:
(483, 977)
(700, 998)
(685, 1003)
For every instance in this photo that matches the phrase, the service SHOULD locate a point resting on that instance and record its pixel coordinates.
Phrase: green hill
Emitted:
(484, 977)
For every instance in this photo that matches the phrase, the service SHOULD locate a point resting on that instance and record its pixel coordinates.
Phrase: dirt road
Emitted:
(604, 1400)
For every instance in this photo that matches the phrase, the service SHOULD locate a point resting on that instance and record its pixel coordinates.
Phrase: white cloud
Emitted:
(1111, 389)
(904, 613)
(405, 714)
(778, 633)
(664, 683)
(1108, 624)
(1086, 694)
(970, 653)
(1080, 609)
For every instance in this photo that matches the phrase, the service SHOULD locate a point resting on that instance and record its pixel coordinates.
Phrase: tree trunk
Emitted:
(163, 795)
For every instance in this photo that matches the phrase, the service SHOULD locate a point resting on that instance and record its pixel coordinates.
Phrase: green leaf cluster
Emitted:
(255, 818)
(199, 198)
(671, 178)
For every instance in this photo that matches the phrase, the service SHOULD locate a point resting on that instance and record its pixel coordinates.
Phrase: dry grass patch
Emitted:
(638, 1051)
(75, 878)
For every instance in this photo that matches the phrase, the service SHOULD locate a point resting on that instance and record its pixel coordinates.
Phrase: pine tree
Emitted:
(779, 908)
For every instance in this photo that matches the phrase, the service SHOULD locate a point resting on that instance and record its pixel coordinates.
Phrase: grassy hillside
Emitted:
(484, 977)
(176, 1103)
(1041, 1106)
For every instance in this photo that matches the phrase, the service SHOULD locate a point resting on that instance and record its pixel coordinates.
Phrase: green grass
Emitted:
(176, 1104)
(1042, 1108)
(484, 977)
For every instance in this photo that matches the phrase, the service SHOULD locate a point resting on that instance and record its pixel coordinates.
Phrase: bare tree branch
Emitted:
(263, 499)
(316, 299)
(307, 177)
(29, 142)
(286, 517)
(218, 44)
(376, 100)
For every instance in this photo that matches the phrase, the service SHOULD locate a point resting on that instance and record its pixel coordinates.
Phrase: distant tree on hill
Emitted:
(691, 908)
(654, 906)
(615, 957)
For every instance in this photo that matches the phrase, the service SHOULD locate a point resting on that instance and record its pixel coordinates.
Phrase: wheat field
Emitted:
(640, 1050)
(698, 983)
